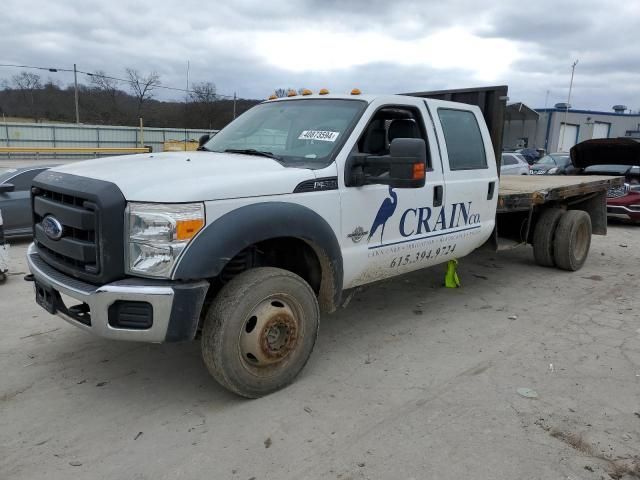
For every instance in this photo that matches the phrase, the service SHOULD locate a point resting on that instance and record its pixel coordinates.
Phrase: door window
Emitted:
(389, 123)
(463, 139)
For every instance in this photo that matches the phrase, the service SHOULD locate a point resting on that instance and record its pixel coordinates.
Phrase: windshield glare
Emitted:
(294, 130)
(546, 160)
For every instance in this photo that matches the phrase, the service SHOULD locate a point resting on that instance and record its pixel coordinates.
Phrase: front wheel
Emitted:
(259, 332)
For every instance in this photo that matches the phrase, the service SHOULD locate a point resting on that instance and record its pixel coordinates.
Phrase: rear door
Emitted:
(470, 173)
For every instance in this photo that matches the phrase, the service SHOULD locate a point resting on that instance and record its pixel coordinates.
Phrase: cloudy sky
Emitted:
(380, 46)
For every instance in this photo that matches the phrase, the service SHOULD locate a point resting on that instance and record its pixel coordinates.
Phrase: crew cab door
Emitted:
(470, 171)
(387, 231)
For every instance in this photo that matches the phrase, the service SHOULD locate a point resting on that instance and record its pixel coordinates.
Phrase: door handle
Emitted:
(491, 191)
(437, 195)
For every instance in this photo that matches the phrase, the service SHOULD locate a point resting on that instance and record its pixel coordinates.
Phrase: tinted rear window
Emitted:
(463, 139)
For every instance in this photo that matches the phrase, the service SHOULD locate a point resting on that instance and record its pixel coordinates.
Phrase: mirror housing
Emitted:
(202, 140)
(405, 167)
(7, 187)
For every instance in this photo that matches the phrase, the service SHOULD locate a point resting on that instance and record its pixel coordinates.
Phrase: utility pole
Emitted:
(234, 105)
(75, 82)
(566, 111)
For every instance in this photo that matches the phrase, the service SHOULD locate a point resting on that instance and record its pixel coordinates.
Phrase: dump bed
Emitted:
(521, 192)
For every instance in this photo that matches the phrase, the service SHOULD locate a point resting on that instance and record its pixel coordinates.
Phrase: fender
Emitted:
(221, 240)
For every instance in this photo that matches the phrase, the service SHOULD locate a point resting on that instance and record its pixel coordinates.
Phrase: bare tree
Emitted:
(27, 83)
(281, 92)
(204, 92)
(100, 81)
(142, 87)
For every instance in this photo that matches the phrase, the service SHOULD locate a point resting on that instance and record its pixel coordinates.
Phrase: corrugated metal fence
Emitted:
(69, 135)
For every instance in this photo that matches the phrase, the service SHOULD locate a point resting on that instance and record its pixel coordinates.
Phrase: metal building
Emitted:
(558, 129)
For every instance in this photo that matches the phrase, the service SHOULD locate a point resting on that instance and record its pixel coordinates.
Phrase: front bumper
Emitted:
(173, 307)
(625, 206)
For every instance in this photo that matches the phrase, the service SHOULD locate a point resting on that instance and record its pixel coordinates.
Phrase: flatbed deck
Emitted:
(521, 192)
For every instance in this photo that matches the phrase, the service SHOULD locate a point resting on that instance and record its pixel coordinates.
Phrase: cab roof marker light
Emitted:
(356, 91)
(323, 91)
(291, 93)
(273, 96)
(306, 91)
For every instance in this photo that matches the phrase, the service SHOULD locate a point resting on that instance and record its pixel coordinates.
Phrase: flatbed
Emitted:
(522, 192)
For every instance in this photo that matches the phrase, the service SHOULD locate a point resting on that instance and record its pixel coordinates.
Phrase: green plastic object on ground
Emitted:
(451, 279)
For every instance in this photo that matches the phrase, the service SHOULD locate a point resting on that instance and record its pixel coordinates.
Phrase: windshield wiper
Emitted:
(251, 151)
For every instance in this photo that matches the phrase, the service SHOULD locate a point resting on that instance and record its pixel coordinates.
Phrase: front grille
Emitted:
(78, 247)
(617, 192)
(90, 245)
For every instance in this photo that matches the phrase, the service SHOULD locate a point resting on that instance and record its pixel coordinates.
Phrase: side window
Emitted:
(509, 160)
(23, 180)
(390, 123)
(463, 139)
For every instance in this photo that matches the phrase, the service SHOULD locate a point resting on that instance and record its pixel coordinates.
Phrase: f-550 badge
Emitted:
(358, 234)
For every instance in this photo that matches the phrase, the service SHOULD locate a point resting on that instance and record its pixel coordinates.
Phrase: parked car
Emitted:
(531, 155)
(513, 164)
(15, 198)
(622, 201)
(552, 164)
(618, 157)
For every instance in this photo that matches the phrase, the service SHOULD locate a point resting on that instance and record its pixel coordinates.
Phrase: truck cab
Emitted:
(247, 240)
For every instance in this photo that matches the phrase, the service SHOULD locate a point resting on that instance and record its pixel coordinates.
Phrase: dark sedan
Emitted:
(552, 164)
(15, 199)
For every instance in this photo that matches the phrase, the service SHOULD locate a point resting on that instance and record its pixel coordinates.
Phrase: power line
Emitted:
(108, 77)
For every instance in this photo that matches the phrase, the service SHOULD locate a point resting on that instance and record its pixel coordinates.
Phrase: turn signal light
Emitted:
(306, 91)
(291, 93)
(418, 171)
(186, 229)
(323, 91)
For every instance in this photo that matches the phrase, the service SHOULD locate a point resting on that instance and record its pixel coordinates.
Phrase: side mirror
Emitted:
(203, 139)
(7, 187)
(405, 167)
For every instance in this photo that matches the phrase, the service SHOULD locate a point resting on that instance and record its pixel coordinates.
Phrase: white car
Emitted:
(513, 164)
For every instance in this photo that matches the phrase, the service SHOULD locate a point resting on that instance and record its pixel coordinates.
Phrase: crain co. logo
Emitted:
(52, 227)
(423, 220)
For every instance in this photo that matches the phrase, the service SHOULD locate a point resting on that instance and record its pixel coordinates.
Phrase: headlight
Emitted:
(158, 233)
(552, 171)
(634, 188)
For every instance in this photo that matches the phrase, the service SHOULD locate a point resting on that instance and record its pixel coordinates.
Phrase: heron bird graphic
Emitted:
(385, 212)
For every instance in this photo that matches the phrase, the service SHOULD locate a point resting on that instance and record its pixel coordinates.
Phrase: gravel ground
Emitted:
(410, 381)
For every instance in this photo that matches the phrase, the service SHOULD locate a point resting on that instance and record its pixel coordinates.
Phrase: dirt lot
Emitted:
(411, 380)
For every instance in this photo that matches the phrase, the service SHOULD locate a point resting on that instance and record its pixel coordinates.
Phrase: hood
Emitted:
(606, 151)
(191, 176)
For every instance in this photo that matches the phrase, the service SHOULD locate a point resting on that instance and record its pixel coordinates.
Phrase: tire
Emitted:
(260, 330)
(572, 240)
(543, 235)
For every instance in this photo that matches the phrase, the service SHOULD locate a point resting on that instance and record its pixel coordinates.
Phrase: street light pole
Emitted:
(75, 83)
(566, 110)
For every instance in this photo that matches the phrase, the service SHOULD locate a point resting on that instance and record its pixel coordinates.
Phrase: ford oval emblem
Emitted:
(52, 227)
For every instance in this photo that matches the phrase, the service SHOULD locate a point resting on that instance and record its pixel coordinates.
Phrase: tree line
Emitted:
(104, 101)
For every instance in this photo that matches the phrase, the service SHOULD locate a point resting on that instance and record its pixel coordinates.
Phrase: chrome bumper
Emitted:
(175, 306)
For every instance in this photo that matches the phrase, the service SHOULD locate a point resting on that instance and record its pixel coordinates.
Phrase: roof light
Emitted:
(291, 93)
(273, 96)
(356, 91)
(323, 91)
(306, 91)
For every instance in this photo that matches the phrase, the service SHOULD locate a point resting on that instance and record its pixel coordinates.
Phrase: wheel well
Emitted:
(289, 253)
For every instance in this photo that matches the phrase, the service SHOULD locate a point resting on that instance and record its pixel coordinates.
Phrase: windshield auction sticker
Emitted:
(323, 135)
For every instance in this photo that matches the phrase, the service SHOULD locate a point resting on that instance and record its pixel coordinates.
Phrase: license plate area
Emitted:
(46, 298)
(51, 300)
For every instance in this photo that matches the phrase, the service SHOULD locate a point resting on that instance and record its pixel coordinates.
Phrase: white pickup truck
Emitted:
(290, 206)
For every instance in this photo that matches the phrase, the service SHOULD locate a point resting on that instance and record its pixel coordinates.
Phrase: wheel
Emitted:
(259, 332)
(572, 240)
(543, 235)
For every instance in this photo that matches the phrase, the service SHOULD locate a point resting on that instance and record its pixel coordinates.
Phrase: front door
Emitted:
(387, 231)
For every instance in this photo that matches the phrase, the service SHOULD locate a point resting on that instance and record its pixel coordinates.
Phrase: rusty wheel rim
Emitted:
(270, 334)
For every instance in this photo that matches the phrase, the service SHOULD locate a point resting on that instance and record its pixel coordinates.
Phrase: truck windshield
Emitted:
(294, 131)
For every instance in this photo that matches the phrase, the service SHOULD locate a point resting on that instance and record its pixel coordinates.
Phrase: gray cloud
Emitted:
(219, 42)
